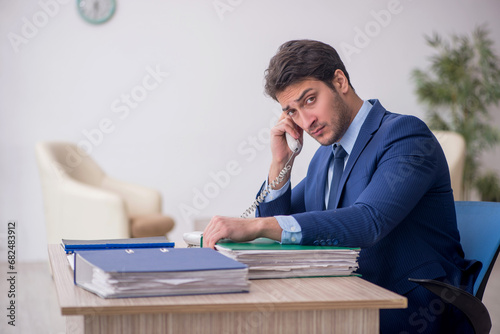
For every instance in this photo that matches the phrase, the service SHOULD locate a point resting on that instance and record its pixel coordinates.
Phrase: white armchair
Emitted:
(82, 202)
(453, 145)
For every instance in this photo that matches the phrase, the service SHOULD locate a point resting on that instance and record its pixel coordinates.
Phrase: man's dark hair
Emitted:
(301, 59)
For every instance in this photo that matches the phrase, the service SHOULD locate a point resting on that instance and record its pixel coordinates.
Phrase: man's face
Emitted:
(317, 109)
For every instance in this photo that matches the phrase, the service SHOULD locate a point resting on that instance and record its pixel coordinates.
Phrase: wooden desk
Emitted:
(302, 305)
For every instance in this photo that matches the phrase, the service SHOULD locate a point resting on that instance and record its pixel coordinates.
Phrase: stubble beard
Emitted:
(338, 125)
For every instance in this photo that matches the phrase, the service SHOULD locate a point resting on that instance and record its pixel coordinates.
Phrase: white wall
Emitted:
(65, 76)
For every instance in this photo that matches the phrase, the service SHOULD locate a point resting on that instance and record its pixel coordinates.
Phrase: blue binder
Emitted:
(143, 272)
(158, 260)
(73, 245)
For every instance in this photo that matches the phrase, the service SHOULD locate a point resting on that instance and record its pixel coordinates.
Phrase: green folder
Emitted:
(267, 258)
(276, 246)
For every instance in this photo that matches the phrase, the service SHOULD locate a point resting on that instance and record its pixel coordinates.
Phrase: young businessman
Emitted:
(391, 193)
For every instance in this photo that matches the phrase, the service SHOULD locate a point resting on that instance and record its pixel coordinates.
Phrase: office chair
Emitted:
(453, 145)
(479, 226)
(82, 202)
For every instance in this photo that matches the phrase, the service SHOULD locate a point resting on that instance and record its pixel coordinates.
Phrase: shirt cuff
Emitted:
(273, 194)
(292, 232)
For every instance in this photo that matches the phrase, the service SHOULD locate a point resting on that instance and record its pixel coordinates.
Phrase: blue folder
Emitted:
(158, 260)
(148, 272)
(71, 246)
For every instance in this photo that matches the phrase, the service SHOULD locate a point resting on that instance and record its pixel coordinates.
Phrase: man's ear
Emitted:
(340, 82)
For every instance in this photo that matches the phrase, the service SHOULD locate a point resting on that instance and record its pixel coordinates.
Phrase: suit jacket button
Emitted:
(322, 242)
(335, 242)
(329, 242)
(316, 243)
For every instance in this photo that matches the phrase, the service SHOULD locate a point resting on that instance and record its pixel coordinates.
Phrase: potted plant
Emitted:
(459, 88)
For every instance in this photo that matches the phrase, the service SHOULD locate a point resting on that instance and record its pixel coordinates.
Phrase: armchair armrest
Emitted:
(470, 305)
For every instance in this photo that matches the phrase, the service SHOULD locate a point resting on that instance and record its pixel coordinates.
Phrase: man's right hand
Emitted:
(279, 148)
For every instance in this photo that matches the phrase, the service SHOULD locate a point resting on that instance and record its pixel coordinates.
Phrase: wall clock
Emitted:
(96, 11)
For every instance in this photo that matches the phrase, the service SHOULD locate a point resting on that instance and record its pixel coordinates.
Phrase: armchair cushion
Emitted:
(151, 225)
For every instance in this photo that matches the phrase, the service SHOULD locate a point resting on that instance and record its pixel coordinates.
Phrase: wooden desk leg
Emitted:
(259, 321)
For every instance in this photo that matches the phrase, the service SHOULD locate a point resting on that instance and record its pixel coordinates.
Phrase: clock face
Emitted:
(96, 11)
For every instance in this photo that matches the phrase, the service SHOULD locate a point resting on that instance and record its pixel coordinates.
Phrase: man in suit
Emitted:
(379, 181)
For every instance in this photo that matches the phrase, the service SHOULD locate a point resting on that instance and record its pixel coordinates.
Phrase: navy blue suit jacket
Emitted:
(395, 202)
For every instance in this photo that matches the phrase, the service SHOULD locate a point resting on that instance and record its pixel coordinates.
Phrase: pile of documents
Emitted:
(274, 260)
(146, 272)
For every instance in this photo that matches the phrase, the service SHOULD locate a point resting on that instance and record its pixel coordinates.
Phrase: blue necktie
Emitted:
(338, 169)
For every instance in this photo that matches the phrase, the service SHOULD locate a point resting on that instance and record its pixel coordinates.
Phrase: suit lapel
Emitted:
(369, 127)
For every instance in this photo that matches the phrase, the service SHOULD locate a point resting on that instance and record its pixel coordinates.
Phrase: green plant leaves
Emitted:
(459, 88)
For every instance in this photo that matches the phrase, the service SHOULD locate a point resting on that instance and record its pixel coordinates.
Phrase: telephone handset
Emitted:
(295, 147)
(293, 143)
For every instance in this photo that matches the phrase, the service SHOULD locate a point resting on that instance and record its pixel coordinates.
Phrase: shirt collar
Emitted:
(352, 132)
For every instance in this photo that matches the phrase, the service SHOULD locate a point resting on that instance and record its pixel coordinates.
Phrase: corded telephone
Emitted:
(193, 239)
(295, 147)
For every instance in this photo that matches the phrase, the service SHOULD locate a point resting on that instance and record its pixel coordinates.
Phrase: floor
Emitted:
(37, 309)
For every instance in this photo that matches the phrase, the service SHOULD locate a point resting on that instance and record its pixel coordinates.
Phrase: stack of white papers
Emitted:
(273, 260)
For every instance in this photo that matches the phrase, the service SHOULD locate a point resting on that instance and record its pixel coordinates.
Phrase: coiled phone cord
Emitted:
(269, 187)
